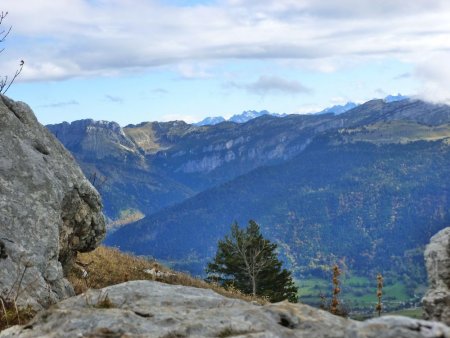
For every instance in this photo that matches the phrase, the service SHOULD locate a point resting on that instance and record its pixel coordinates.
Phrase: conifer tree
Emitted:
(248, 261)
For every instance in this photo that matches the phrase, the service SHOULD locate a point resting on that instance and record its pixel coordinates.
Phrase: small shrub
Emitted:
(104, 302)
(336, 290)
(323, 301)
(230, 332)
(335, 306)
(11, 314)
(379, 305)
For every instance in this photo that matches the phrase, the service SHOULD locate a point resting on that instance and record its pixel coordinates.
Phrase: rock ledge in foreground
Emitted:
(153, 309)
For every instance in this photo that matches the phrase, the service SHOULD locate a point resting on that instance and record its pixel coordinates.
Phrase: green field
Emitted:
(358, 294)
(412, 313)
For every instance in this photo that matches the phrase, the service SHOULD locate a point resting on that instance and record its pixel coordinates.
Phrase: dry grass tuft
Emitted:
(230, 332)
(108, 266)
(11, 314)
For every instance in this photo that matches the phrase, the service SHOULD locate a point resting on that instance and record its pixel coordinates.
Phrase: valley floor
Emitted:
(358, 295)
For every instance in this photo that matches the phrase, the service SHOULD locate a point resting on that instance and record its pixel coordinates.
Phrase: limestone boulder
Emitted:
(436, 303)
(153, 309)
(48, 209)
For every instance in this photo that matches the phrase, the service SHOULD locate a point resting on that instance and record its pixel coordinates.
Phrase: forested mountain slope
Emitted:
(368, 186)
(369, 204)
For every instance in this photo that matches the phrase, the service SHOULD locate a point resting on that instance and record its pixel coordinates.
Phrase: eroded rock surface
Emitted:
(153, 309)
(436, 302)
(48, 209)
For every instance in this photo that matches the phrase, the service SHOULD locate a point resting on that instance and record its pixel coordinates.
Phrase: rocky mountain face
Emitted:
(48, 209)
(339, 109)
(252, 114)
(210, 121)
(393, 98)
(99, 140)
(172, 161)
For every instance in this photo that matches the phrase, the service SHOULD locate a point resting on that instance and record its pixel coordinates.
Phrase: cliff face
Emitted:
(48, 209)
(96, 139)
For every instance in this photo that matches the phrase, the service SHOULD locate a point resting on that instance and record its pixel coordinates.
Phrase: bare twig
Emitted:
(20, 282)
(17, 311)
(4, 83)
(4, 33)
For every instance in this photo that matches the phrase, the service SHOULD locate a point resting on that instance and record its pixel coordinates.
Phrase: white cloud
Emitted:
(68, 38)
(160, 91)
(60, 104)
(114, 99)
(179, 117)
(274, 84)
(190, 71)
(310, 108)
(434, 74)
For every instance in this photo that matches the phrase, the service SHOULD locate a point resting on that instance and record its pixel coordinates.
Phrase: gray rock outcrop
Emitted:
(48, 209)
(153, 309)
(436, 303)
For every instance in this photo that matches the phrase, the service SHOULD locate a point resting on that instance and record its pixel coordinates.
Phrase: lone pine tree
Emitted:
(248, 261)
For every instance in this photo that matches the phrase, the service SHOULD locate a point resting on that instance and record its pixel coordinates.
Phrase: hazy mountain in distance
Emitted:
(339, 109)
(237, 118)
(394, 98)
(251, 114)
(210, 121)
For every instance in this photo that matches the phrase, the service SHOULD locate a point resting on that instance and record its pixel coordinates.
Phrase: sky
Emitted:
(131, 61)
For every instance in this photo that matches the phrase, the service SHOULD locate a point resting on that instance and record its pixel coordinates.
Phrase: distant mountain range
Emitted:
(367, 187)
(251, 114)
(210, 121)
(238, 118)
(395, 98)
(339, 109)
